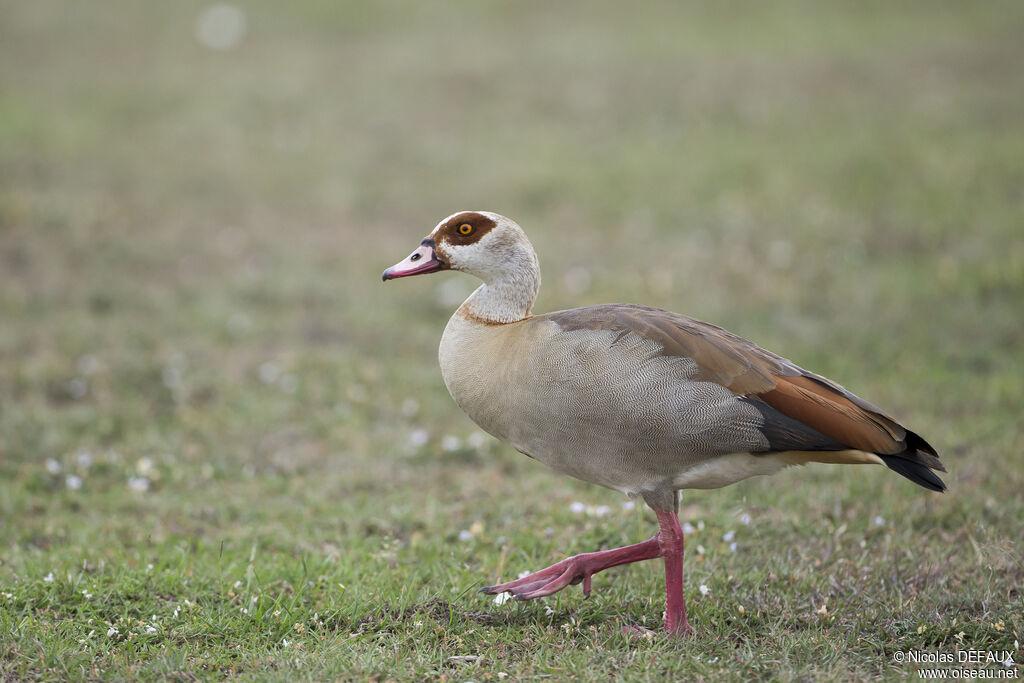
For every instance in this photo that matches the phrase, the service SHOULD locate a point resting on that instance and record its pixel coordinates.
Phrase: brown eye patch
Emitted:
(466, 227)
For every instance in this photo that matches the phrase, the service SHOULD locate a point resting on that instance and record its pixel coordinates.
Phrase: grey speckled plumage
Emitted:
(601, 406)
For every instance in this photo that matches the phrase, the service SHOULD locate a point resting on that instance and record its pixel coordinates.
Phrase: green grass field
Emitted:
(226, 449)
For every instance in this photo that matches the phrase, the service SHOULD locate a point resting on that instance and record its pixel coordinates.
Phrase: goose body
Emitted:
(636, 399)
(602, 406)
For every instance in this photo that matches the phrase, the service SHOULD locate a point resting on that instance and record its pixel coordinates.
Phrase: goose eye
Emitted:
(465, 229)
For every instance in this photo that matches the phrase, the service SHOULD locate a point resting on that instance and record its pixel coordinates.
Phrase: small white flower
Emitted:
(524, 574)
(477, 440)
(52, 466)
(419, 437)
(729, 536)
(577, 507)
(700, 525)
(601, 510)
(149, 567)
(745, 519)
(701, 550)
(73, 482)
(450, 442)
(269, 372)
(112, 631)
(466, 535)
(175, 612)
(879, 521)
(732, 547)
(87, 595)
(77, 387)
(145, 466)
(8, 595)
(629, 505)
(548, 611)
(237, 584)
(284, 641)
(171, 377)
(688, 528)
(151, 629)
(48, 578)
(84, 458)
(863, 543)
(704, 590)
(502, 598)
(138, 484)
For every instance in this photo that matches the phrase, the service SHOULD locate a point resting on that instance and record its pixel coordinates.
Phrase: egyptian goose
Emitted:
(637, 399)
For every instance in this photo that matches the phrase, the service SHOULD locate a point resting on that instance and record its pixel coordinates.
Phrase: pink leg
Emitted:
(575, 569)
(667, 543)
(671, 542)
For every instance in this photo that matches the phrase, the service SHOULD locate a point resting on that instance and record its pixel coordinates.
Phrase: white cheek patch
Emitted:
(454, 255)
(485, 256)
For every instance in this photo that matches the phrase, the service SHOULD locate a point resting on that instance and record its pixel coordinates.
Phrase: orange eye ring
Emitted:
(465, 229)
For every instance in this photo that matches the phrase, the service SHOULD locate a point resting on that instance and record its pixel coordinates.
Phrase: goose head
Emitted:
(488, 246)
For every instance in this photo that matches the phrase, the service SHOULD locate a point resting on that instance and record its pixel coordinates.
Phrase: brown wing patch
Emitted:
(832, 410)
(834, 415)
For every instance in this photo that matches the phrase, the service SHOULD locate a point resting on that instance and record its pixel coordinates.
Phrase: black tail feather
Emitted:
(914, 471)
(921, 451)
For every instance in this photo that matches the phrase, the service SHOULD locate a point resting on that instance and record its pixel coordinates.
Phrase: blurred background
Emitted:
(197, 201)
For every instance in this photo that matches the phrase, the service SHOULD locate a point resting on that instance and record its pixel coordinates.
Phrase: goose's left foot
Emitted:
(576, 569)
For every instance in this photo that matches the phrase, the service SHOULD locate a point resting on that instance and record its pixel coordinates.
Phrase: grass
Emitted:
(225, 447)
